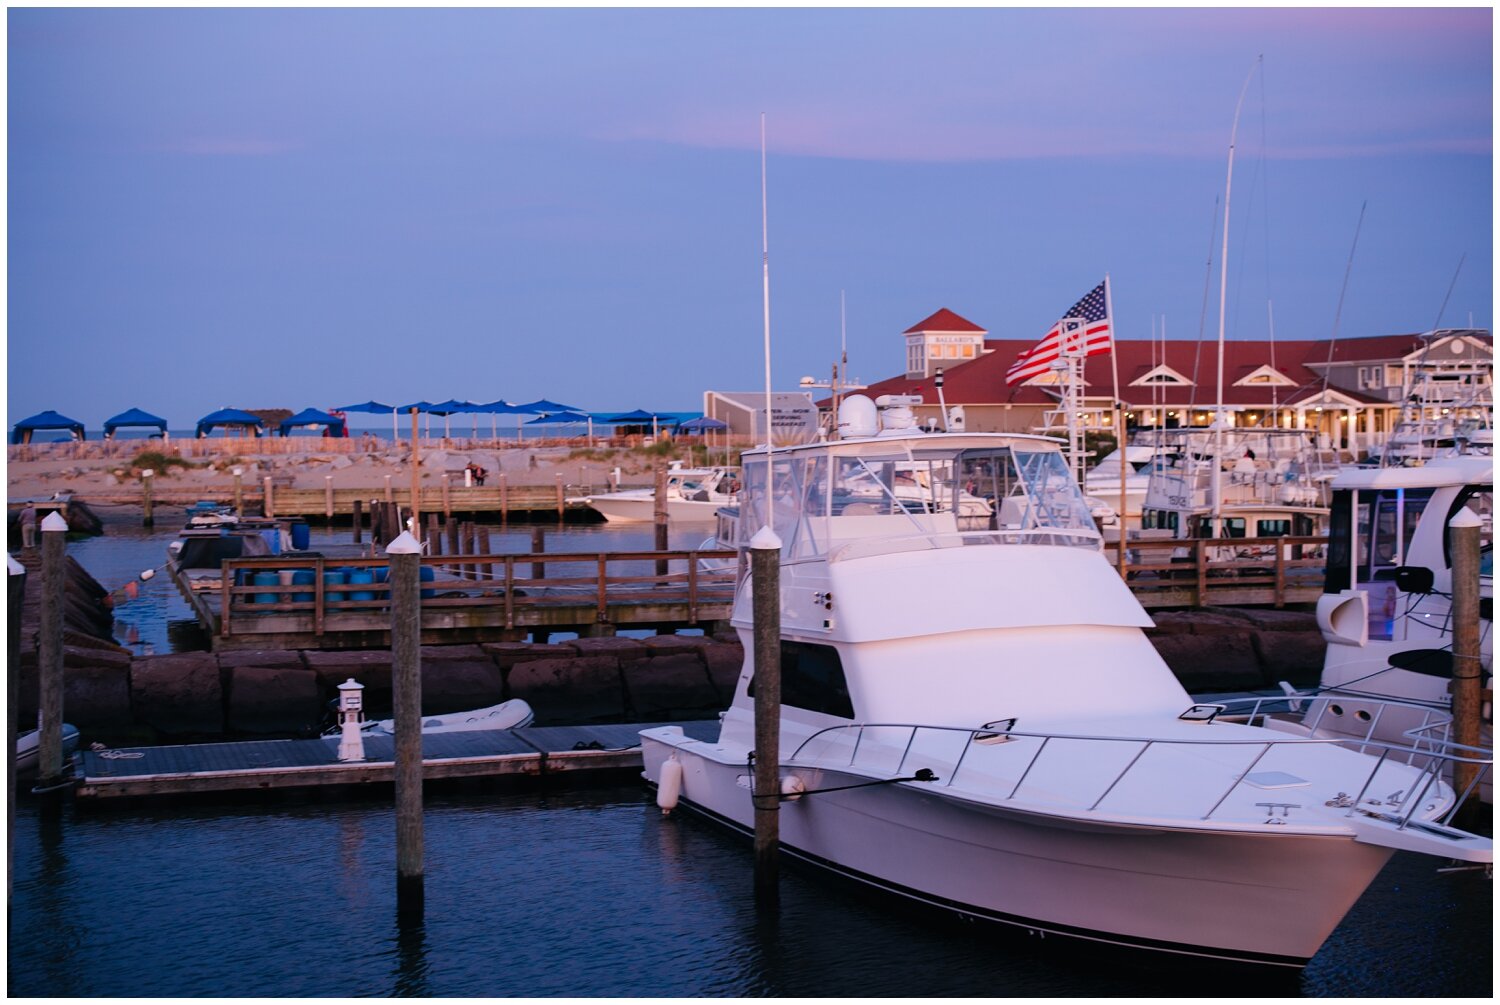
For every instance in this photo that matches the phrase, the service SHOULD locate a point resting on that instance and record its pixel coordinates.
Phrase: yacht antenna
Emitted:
(1223, 285)
(765, 281)
(839, 371)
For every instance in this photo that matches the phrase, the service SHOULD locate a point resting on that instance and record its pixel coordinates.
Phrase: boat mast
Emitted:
(1219, 416)
(765, 280)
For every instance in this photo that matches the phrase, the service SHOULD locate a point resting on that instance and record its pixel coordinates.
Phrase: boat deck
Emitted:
(265, 765)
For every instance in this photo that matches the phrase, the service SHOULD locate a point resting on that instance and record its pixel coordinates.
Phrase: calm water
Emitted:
(582, 893)
(587, 893)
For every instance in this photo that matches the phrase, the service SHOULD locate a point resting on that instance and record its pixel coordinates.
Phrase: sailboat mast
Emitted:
(1219, 418)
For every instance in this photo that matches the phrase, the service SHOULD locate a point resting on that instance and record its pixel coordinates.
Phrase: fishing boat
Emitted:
(973, 719)
(693, 496)
(1387, 611)
(28, 748)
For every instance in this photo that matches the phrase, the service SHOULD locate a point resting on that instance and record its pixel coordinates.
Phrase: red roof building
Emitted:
(1350, 388)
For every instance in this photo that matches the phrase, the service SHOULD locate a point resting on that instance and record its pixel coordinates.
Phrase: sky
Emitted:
(283, 208)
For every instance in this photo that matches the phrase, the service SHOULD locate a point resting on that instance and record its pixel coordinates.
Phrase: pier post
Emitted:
(239, 492)
(434, 535)
(1464, 544)
(328, 497)
(147, 477)
(538, 545)
(486, 569)
(405, 554)
(765, 584)
(268, 503)
(504, 500)
(390, 496)
(50, 653)
(16, 603)
(561, 502)
(452, 528)
(447, 498)
(357, 506)
(659, 514)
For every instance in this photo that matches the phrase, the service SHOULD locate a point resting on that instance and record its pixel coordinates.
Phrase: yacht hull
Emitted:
(642, 509)
(1231, 896)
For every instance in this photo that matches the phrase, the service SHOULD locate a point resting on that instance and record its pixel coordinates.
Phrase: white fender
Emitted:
(669, 786)
(792, 787)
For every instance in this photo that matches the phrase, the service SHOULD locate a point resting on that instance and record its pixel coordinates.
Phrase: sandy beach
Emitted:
(44, 470)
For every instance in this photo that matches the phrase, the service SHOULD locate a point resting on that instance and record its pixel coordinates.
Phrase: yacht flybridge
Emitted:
(973, 719)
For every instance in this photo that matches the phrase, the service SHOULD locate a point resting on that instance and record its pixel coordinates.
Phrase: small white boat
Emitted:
(974, 720)
(27, 749)
(507, 715)
(694, 495)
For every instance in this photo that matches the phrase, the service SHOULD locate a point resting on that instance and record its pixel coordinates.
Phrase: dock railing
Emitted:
(1207, 571)
(320, 596)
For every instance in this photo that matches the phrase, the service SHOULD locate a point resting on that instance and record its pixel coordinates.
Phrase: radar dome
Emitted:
(857, 417)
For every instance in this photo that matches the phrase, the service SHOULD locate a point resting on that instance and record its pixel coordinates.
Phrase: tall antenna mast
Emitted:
(1219, 418)
(765, 280)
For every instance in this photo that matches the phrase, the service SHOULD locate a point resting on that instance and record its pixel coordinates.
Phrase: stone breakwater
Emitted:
(194, 696)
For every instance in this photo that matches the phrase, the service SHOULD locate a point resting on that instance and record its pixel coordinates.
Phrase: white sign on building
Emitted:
(794, 416)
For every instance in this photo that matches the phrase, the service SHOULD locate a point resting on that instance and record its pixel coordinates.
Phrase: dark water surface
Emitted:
(579, 893)
(586, 893)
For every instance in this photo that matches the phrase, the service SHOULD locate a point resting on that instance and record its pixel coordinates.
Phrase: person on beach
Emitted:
(28, 526)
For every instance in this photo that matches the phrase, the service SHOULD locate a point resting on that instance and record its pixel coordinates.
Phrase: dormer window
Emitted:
(1161, 376)
(1265, 376)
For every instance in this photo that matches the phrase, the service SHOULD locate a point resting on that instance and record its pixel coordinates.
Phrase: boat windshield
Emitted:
(818, 499)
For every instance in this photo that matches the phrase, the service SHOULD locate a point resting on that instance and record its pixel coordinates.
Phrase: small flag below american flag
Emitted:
(1090, 338)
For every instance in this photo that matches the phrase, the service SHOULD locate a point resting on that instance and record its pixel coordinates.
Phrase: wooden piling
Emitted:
(359, 519)
(268, 507)
(328, 497)
(451, 525)
(659, 514)
(239, 493)
(147, 478)
(406, 688)
(390, 496)
(486, 569)
(765, 577)
(466, 546)
(16, 604)
(561, 502)
(50, 653)
(434, 536)
(538, 545)
(1464, 532)
(447, 498)
(504, 500)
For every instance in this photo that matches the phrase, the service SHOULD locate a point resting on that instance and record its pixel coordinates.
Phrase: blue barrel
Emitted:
(362, 576)
(427, 575)
(334, 577)
(301, 536)
(303, 578)
(266, 579)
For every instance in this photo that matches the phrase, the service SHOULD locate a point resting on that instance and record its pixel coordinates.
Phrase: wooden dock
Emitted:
(271, 765)
(468, 598)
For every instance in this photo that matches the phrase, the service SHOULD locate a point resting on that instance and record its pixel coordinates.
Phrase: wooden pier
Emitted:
(466, 598)
(270, 765)
(1224, 572)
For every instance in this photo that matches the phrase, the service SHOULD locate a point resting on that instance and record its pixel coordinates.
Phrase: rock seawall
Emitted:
(188, 696)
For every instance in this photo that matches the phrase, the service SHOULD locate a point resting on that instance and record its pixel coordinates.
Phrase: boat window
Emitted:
(1387, 519)
(1273, 528)
(812, 678)
(1480, 500)
(1232, 526)
(1053, 496)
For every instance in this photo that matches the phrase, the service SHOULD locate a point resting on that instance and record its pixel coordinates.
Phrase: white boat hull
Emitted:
(620, 508)
(511, 714)
(1260, 898)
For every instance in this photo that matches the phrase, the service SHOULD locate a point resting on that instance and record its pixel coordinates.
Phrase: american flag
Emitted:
(1092, 337)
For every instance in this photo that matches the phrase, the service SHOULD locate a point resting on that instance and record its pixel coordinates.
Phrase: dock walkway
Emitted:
(266, 765)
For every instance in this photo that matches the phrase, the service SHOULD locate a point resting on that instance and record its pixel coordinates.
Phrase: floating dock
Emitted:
(267, 765)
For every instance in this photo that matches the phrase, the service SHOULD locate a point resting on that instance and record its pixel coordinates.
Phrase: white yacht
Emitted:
(1386, 611)
(1102, 481)
(693, 495)
(1234, 483)
(973, 719)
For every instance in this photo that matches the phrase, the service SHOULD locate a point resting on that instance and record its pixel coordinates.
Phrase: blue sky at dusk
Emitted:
(283, 208)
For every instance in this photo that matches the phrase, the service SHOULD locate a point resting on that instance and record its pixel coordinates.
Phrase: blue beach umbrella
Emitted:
(133, 417)
(374, 407)
(315, 417)
(229, 417)
(570, 418)
(45, 420)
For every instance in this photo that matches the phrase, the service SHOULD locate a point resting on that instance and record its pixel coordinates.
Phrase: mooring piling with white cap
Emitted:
(405, 553)
(50, 653)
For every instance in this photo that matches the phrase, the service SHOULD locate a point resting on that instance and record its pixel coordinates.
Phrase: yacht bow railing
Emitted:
(870, 748)
(1054, 536)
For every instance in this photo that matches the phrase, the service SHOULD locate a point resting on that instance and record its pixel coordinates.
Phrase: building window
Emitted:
(969, 351)
(1371, 378)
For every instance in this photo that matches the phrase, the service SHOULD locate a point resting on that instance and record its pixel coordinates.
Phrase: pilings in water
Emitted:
(765, 578)
(50, 654)
(406, 686)
(1464, 532)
